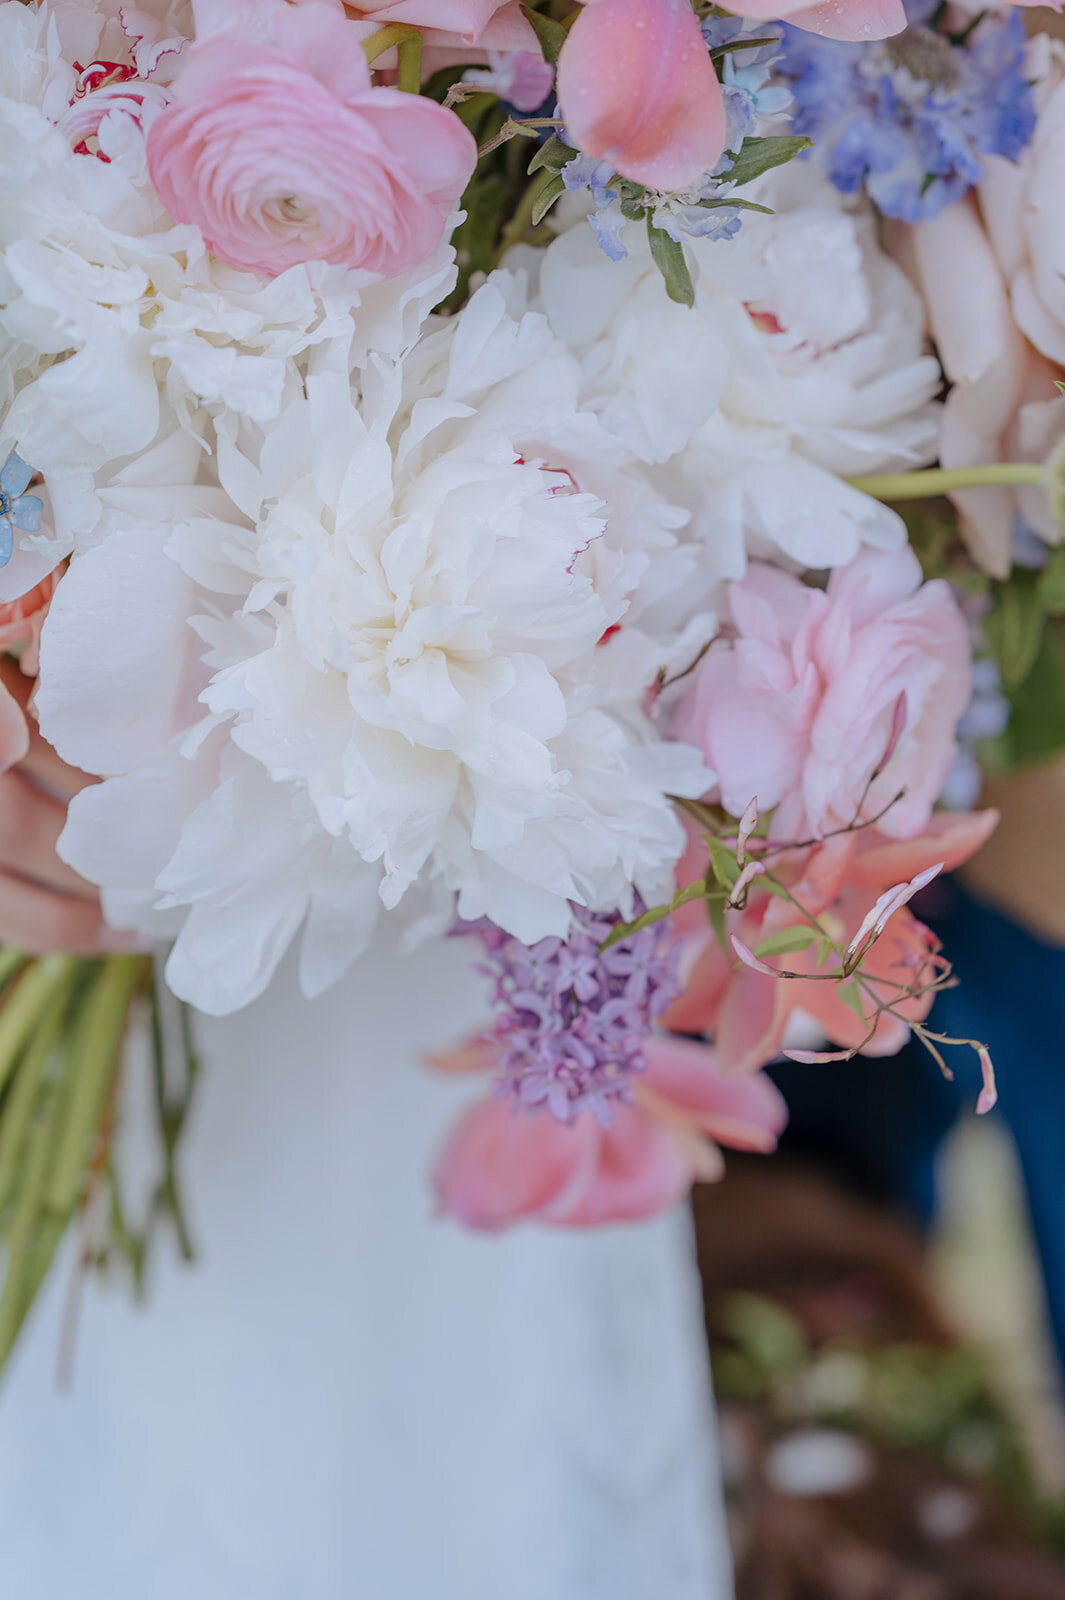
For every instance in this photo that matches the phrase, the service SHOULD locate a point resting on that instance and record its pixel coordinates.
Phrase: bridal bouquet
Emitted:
(472, 463)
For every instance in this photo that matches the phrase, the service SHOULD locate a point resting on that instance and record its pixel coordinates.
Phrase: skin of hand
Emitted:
(45, 905)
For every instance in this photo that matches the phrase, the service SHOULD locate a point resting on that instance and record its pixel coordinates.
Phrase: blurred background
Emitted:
(886, 1297)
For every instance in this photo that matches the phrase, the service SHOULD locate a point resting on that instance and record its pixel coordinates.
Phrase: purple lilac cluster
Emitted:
(573, 1020)
(910, 118)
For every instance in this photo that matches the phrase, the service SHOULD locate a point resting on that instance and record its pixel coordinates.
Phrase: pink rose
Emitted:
(281, 150)
(833, 19)
(637, 88)
(809, 693)
(500, 1167)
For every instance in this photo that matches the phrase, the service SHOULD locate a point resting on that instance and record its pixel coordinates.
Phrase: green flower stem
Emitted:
(92, 1056)
(941, 480)
(388, 38)
(410, 64)
(23, 1238)
(24, 1094)
(30, 1001)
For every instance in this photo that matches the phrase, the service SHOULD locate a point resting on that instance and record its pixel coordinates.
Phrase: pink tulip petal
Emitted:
(951, 837)
(641, 1171)
(499, 1167)
(683, 1080)
(637, 88)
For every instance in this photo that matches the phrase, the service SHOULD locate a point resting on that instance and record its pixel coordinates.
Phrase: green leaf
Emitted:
(789, 941)
(825, 951)
(715, 910)
(1014, 627)
(723, 860)
(756, 156)
(851, 995)
(1052, 584)
(734, 203)
(1036, 729)
(669, 258)
(550, 190)
(550, 34)
(683, 897)
(720, 50)
(553, 154)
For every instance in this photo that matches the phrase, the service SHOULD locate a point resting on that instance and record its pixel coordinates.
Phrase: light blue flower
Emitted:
(17, 508)
(911, 118)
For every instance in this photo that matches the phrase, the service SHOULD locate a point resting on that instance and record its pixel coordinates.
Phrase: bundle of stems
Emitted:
(64, 1022)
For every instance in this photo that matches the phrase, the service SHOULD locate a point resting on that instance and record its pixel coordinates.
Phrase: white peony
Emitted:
(115, 321)
(418, 662)
(803, 361)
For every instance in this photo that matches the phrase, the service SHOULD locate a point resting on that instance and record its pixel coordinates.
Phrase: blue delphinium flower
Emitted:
(17, 508)
(911, 118)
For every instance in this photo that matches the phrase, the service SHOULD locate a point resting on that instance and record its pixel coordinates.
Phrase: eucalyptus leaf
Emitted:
(723, 860)
(550, 34)
(669, 258)
(553, 154)
(551, 190)
(789, 941)
(756, 156)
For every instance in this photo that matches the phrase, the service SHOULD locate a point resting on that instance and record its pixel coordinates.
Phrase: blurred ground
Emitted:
(890, 1421)
(985, 1267)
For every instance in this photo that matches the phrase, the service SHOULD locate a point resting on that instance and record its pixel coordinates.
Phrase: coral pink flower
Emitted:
(834, 19)
(637, 88)
(811, 693)
(748, 1011)
(500, 1167)
(280, 149)
(20, 626)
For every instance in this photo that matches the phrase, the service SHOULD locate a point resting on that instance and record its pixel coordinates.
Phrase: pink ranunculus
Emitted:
(747, 1011)
(855, 20)
(637, 88)
(500, 1167)
(278, 146)
(824, 705)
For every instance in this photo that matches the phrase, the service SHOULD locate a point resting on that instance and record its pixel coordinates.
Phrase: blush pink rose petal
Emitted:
(812, 692)
(852, 20)
(637, 88)
(281, 150)
(487, 24)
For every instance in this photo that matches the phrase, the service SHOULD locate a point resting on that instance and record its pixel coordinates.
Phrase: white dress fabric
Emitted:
(346, 1397)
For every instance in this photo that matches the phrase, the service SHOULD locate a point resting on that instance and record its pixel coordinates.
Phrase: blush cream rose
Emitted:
(281, 150)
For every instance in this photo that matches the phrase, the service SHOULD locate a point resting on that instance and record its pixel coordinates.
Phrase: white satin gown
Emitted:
(347, 1397)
